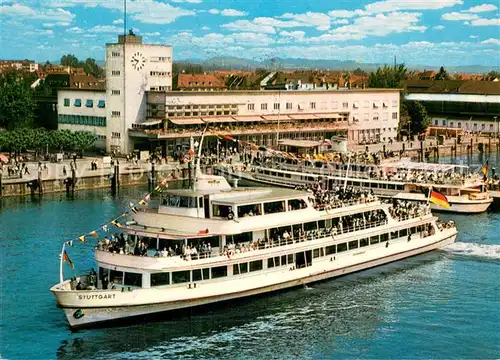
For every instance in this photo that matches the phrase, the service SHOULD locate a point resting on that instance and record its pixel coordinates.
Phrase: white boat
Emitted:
(262, 240)
(470, 198)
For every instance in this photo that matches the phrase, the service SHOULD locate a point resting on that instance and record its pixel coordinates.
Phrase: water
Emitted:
(445, 304)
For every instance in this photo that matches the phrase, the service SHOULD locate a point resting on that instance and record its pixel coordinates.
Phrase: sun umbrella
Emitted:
(4, 158)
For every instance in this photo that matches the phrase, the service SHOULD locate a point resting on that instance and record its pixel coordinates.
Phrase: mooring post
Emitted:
(1, 185)
(40, 183)
(115, 180)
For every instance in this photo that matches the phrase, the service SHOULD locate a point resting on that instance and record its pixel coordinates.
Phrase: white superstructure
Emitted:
(238, 243)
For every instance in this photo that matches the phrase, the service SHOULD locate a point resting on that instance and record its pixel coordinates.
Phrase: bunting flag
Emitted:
(147, 197)
(67, 259)
(69, 243)
(164, 182)
(82, 238)
(227, 137)
(191, 152)
(133, 208)
(143, 202)
(93, 234)
(158, 188)
(105, 228)
(116, 223)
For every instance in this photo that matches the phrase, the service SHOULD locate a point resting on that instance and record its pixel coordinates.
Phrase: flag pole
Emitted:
(347, 171)
(61, 278)
(429, 196)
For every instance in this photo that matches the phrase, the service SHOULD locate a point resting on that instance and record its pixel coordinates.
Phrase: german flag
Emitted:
(439, 199)
(66, 259)
(484, 169)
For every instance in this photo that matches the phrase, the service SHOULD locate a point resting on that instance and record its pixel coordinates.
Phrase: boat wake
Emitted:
(490, 252)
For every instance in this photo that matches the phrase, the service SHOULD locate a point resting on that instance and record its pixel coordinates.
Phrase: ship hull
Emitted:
(106, 316)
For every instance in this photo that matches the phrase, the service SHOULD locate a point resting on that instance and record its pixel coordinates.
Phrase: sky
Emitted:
(423, 32)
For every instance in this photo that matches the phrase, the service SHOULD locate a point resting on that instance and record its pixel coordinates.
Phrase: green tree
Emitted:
(388, 77)
(442, 74)
(83, 140)
(90, 67)
(17, 105)
(416, 115)
(70, 60)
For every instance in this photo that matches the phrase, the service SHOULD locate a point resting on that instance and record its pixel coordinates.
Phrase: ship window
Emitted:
(236, 269)
(310, 226)
(249, 210)
(363, 242)
(180, 277)
(374, 240)
(403, 232)
(219, 271)
(221, 210)
(197, 274)
(133, 279)
(394, 235)
(296, 204)
(341, 247)
(283, 260)
(255, 265)
(353, 244)
(116, 277)
(290, 258)
(384, 237)
(240, 238)
(270, 263)
(159, 279)
(274, 207)
(315, 253)
(330, 250)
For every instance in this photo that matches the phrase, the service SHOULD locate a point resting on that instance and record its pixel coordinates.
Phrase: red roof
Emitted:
(197, 81)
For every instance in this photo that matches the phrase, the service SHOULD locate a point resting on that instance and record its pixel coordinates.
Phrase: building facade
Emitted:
(139, 110)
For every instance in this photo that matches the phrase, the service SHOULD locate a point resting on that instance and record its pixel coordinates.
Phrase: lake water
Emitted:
(444, 304)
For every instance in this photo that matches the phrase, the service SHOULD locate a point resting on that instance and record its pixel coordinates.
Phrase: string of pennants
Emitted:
(163, 184)
(316, 157)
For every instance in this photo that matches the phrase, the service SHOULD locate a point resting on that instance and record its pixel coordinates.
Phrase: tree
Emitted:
(388, 77)
(70, 60)
(17, 105)
(416, 114)
(442, 74)
(90, 67)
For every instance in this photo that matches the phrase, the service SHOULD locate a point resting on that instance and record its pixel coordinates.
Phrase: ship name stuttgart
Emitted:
(96, 296)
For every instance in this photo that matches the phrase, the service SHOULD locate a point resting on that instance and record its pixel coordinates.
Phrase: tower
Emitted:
(132, 69)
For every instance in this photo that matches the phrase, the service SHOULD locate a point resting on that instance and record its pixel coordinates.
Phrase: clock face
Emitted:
(138, 61)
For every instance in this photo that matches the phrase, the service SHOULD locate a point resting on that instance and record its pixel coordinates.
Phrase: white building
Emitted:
(139, 94)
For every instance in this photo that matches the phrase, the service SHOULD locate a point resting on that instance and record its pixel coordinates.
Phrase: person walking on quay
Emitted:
(64, 171)
(26, 170)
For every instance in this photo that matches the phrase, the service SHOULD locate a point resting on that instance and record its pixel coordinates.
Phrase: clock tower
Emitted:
(132, 68)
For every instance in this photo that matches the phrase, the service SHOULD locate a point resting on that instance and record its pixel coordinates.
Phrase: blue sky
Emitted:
(428, 32)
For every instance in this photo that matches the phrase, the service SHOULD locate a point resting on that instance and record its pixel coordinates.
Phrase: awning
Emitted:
(218, 119)
(186, 121)
(151, 122)
(247, 118)
(303, 117)
(329, 116)
(276, 117)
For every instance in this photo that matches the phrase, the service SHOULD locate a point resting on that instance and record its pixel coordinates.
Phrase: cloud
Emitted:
(346, 13)
(438, 27)
(61, 23)
(105, 29)
(228, 12)
(288, 36)
(205, 28)
(381, 25)
(482, 8)
(252, 39)
(396, 5)
(118, 22)
(75, 30)
(19, 10)
(319, 20)
(156, 33)
(459, 16)
(252, 26)
(68, 3)
(485, 22)
(491, 41)
(187, 1)
(340, 22)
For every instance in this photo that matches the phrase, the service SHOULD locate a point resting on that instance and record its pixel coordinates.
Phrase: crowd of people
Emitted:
(403, 210)
(337, 197)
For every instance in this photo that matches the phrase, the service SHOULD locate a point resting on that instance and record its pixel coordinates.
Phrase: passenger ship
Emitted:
(469, 198)
(261, 240)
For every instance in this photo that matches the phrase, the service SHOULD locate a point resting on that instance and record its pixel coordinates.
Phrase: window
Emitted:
(375, 117)
(345, 105)
(296, 204)
(276, 106)
(263, 106)
(255, 265)
(460, 125)
(274, 207)
(159, 279)
(312, 105)
(394, 115)
(330, 250)
(101, 104)
(375, 105)
(385, 104)
(66, 102)
(116, 135)
(366, 104)
(366, 117)
(115, 72)
(436, 122)
(385, 116)
(374, 240)
(219, 271)
(251, 107)
(353, 244)
(363, 242)
(316, 253)
(115, 92)
(116, 277)
(355, 105)
(89, 103)
(115, 54)
(240, 268)
(201, 274)
(289, 106)
(444, 122)
(115, 113)
(342, 247)
(78, 102)
(394, 103)
(133, 279)
(180, 277)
